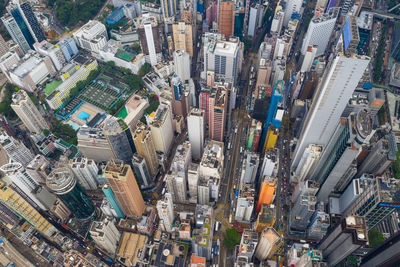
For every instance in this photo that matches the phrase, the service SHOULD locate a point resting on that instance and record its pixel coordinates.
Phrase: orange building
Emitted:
(196, 261)
(267, 192)
(226, 18)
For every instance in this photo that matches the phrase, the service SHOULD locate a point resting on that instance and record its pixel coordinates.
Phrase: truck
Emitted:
(215, 249)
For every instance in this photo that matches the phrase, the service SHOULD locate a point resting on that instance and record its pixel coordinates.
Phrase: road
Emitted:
(9, 253)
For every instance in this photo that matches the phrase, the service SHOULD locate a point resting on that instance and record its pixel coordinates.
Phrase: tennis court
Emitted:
(99, 95)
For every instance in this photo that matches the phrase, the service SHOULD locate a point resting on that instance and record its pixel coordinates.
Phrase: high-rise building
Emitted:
(255, 15)
(342, 72)
(179, 97)
(202, 235)
(344, 239)
(15, 149)
(183, 37)
(150, 38)
(277, 23)
(247, 247)
(140, 170)
(61, 181)
(307, 162)
(250, 168)
(28, 113)
(145, 147)
(204, 97)
(105, 235)
(319, 224)
(245, 203)
(3, 46)
(85, 171)
(217, 108)
(267, 191)
(37, 168)
(385, 255)
(176, 186)
(169, 8)
(20, 206)
(165, 209)
(113, 200)
(182, 64)
(292, 7)
(125, 188)
(212, 162)
(68, 47)
(193, 180)
(308, 59)
(265, 218)
(269, 242)
(30, 20)
(15, 32)
(319, 32)
(161, 128)
(119, 138)
(226, 18)
(94, 145)
(52, 51)
(196, 131)
(92, 36)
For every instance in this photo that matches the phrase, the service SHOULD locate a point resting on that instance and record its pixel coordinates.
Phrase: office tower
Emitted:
(125, 188)
(319, 224)
(150, 38)
(15, 149)
(37, 168)
(344, 73)
(113, 200)
(68, 47)
(319, 32)
(202, 235)
(274, 112)
(28, 113)
(196, 131)
(267, 192)
(385, 255)
(161, 128)
(382, 154)
(292, 7)
(85, 171)
(250, 168)
(308, 59)
(165, 209)
(105, 235)
(376, 201)
(119, 138)
(341, 151)
(266, 217)
(20, 206)
(254, 18)
(304, 206)
(307, 162)
(193, 180)
(245, 203)
(140, 170)
(53, 52)
(179, 96)
(269, 242)
(30, 20)
(60, 210)
(217, 108)
(3, 46)
(94, 145)
(182, 64)
(204, 97)
(247, 247)
(277, 23)
(183, 37)
(92, 36)
(145, 147)
(15, 32)
(224, 58)
(346, 237)
(226, 19)
(168, 8)
(61, 181)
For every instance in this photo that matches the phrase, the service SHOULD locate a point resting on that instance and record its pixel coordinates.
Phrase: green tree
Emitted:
(232, 238)
(134, 81)
(375, 238)
(144, 69)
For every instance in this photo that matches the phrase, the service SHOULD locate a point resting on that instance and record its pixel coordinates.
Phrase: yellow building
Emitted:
(270, 140)
(183, 37)
(266, 217)
(130, 245)
(23, 209)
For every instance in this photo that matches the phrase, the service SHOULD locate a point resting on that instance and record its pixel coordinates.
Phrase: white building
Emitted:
(251, 163)
(15, 149)
(277, 23)
(292, 6)
(176, 186)
(53, 52)
(161, 128)
(28, 113)
(182, 64)
(85, 171)
(308, 58)
(255, 15)
(244, 208)
(150, 38)
(182, 158)
(340, 79)
(135, 107)
(165, 209)
(319, 32)
(268, 243)
(193, 180)
(196, 130)
(92, 36)
(307, 162)
(105, 235)
(212, 161)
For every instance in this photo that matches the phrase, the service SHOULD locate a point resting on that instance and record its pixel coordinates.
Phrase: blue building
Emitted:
(116, 16)
(113, 201)
(68, 48)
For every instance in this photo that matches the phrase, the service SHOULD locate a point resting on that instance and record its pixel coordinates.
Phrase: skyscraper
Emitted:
(150, 38)
(168, 8)
(269, 242)
(161, 128)
(217, 107)
(28, 113)
(119, 138)
(226, 18)
(183, 37)
(333, 92)
(61, 181)
(85, 170)
(140, 170)
(15, 32)
(196, 131)
(15, 149)
(68, 47)
(182, 64)
(292, 7)
(179, 97)
(165, 209)
(105, 235)
(31, 21)
(125, 188)
(113, 200)
(145, 147)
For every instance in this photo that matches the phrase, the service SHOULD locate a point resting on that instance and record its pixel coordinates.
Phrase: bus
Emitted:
(217, 225)
(215, 249)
